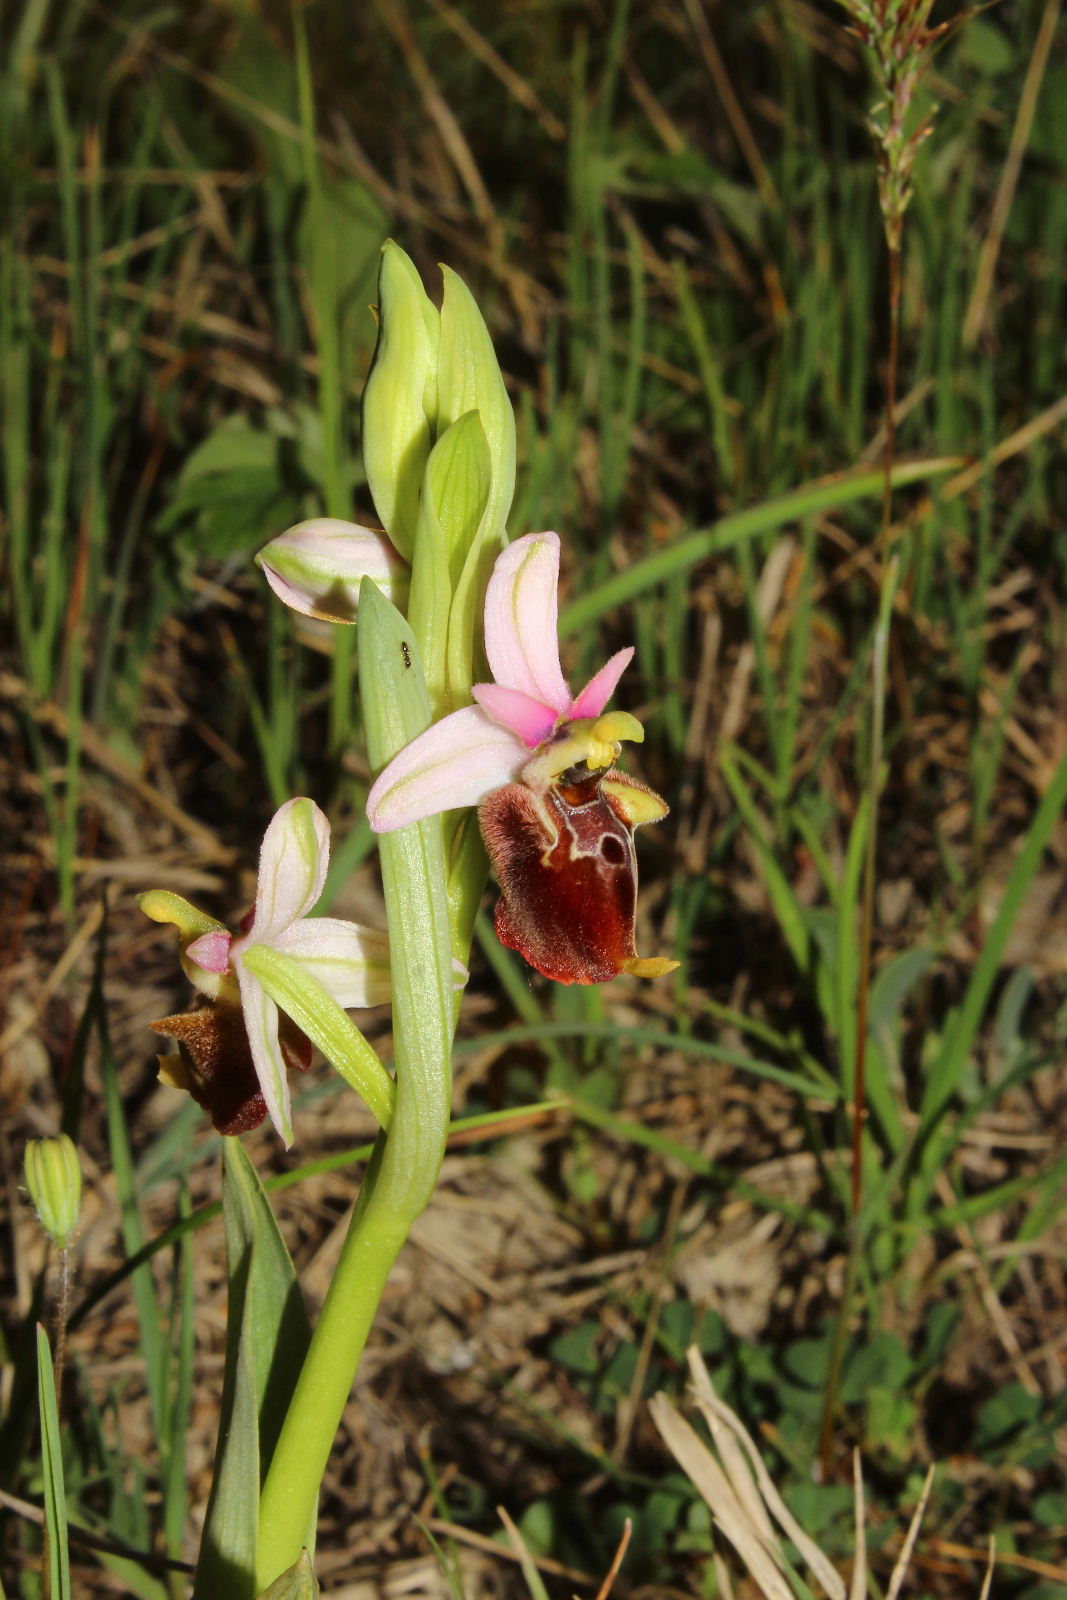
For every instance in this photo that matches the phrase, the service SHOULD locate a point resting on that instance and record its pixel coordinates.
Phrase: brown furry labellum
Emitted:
(562, 847)
(214, 1062)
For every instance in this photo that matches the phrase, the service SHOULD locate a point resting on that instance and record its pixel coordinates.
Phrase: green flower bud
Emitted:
(54, 1180)
(454, 496)
(400, 398)
(318, 566)
(468, 379)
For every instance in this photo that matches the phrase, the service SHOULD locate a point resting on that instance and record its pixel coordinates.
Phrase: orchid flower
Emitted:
(465, 756)
(236, 1048)
(557, 820)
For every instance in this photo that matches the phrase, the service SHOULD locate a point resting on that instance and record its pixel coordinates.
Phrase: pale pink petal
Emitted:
(317, 566)
(520, 621)
(456, 762)
(211, 951)
(351, 962)
(292, 869)
(599, 690)
(531, 719)
(261, 1025)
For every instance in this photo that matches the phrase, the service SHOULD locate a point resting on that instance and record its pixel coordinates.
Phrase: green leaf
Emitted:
(984, 46)
(808, 1360)
(233, 491)
(1004, 1413)
(891, 1420)
(577, 1349)
(266, 98)
(454, 497)
(787, 907)
(267, 1335)
(468, 379)
(339, 240)
(396, 707)
(296, 1584)
(149, 1311)
(236, 445)
(56, 1550)
(819, 1506)
(882, 1361)
(846, 971)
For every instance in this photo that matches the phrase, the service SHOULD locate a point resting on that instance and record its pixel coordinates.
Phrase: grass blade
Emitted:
(959, 1038)
(56, 1584)
(729, 531)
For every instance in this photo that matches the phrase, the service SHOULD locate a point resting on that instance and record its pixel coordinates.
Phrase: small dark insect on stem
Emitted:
(405, 650)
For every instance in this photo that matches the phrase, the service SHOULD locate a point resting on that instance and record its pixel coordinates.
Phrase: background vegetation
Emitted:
(669, 214)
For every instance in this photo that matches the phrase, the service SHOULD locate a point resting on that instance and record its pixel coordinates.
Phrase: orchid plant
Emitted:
(438, 590)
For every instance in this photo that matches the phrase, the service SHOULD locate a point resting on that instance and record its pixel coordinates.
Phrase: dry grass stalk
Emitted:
(739, 1491)
(745, 1504)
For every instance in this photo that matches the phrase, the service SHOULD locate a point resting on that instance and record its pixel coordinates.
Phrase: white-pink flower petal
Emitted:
(351, 963)
(600, 688)
(456, 762)
(261, 1025)
(521, 640)
(530, 719)
(292, 869)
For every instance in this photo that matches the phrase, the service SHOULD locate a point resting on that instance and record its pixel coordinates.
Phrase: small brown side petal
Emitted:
(221, 1077)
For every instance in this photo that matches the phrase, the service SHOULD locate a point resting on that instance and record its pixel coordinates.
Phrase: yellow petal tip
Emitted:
(649, 966)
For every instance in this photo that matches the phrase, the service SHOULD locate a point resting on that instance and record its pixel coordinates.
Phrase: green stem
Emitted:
(290, 1491)
(397, 1189)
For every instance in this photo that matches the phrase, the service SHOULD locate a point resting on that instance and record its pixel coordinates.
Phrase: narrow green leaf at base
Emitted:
(56, 1551)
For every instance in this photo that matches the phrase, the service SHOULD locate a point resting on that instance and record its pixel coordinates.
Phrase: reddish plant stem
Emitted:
(870, 859)
(859, 1086)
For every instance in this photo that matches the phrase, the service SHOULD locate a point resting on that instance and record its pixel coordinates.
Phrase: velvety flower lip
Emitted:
(351, 962)
(462, 758)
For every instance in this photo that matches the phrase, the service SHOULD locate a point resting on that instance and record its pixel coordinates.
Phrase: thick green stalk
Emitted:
(396, 708)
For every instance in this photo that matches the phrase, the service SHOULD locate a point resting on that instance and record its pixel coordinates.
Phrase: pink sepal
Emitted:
(600, 688)
(521, 642)
(293, 860)
(531, 719)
